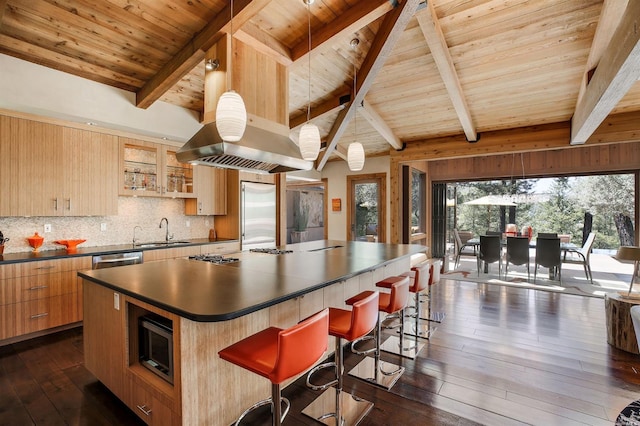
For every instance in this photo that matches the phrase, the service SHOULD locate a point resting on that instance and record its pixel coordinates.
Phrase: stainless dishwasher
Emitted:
(116, 259)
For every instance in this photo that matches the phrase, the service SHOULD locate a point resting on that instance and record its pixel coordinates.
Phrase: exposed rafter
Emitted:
(388, 34)
(325, 108)
(350, 21)
(432, 32)
(369, 113)
(193, 52)
(265, 43)
(3, 7)
(617, 72)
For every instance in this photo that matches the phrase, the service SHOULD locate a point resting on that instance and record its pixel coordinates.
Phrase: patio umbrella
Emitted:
(491, 200)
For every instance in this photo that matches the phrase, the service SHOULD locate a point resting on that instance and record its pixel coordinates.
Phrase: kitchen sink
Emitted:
(161, 244)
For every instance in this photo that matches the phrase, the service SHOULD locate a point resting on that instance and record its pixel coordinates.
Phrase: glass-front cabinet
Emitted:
(152, 170)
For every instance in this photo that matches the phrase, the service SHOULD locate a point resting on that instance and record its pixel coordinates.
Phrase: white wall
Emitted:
(336, 173)
(34, 89)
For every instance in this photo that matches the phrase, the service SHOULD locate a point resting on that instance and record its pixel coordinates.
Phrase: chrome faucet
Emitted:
(135, 240)
(167, 236)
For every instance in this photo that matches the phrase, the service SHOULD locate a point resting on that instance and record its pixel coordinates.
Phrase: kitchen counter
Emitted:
(201, 291)
(91, 251)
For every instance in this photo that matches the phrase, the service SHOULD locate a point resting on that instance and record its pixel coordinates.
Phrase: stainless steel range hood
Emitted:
(259, 150)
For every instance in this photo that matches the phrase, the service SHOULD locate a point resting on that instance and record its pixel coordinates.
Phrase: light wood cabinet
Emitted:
(52, 170)
(210, 190)
(35, 296)
(111, 353)
(152, 170)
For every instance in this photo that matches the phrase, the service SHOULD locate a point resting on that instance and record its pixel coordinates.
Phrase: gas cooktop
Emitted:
(270, 251)
(214, 258)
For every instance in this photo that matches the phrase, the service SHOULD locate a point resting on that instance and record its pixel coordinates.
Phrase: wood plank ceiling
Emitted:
(423, 71)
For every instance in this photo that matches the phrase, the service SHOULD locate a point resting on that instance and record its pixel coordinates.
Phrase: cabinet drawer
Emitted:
(23, 269)
(152, 408)
(22, 289)
(36, 315)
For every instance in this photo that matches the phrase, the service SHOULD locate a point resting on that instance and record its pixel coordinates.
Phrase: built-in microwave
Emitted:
(156, 345)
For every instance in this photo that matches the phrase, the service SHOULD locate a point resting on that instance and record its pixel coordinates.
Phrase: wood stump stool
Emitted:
(620, 332)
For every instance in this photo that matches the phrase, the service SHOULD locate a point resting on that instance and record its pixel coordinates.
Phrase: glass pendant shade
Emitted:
(231, 116)
(355, 157)
(309, 142)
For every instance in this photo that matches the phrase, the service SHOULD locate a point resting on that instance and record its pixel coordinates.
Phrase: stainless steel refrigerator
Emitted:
(258, 215)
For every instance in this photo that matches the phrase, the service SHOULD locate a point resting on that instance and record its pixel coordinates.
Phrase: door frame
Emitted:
(381, 180)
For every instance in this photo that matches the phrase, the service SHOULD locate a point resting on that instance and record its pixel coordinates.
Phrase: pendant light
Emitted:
(231, 114)
(355, 153)
(309, 140)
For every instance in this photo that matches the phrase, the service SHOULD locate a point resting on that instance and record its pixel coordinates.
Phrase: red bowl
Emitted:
(69, 244)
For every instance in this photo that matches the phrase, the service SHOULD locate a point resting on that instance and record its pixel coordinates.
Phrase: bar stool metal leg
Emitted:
(374, 370)
(334, 406)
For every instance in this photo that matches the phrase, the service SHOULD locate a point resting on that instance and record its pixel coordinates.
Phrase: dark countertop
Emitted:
(201, 291)
(91, 251)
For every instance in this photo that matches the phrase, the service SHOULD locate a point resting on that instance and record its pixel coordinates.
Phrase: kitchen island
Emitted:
(210, 307)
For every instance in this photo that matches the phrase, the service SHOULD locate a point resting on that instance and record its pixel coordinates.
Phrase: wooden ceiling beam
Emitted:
(617, 128)
(320, 110)
(264, 42)
(388, 34)
(3, 7)
(430, 26)
(612, 12)
(617, 72)
(369, 113)
(193, 52)
(356, 17)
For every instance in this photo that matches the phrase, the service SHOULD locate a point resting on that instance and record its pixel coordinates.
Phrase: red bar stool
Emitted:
(371, 369)
(280, 354)
(349, 326)
(421, 278)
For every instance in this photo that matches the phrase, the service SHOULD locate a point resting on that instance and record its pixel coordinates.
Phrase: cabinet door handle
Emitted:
(69, 204)
(44, 314)
(200, 206)
(38, 287)
(55, 204)
(144, 409)
(46, 267)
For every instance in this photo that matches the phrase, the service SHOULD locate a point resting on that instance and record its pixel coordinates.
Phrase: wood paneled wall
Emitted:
(537, 151)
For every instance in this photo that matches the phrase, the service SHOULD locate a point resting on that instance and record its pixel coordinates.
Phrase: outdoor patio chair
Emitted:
(547, 235)
(517, 254)
(462, 247)
(582, 256)
(548, 256)
(493, 233)
(490, 251)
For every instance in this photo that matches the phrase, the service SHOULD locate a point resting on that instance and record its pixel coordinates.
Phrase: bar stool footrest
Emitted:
(435, 317)
(360, 340)
(410, 349)
(267, 401)
(317, 368)
(354, 409)
(425, 331)
(366, 370)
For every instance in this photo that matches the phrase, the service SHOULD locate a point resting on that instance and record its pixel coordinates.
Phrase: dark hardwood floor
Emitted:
(502, 356)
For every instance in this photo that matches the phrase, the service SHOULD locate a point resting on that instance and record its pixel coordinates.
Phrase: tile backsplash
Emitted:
(132, 211)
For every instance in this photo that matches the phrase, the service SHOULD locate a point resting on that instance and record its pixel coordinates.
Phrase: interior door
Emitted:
(366, 207)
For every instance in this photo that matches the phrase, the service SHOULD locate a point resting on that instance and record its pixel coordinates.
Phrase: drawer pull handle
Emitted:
(39, 315)
(39, 287)
(144, 409)
(46, 267)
